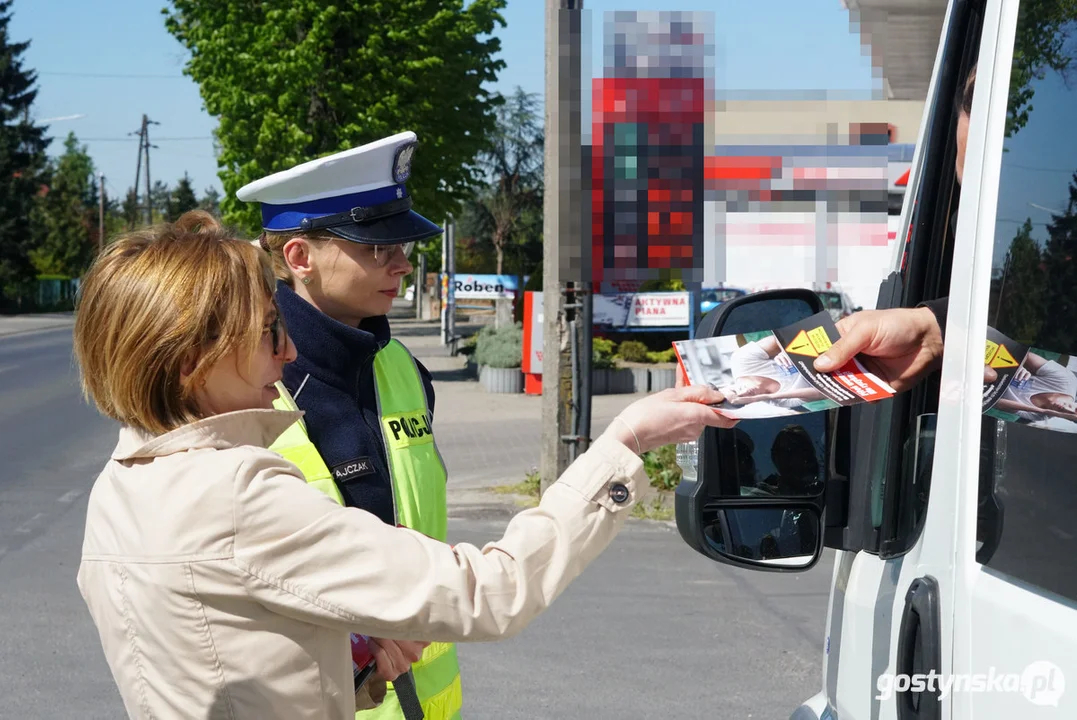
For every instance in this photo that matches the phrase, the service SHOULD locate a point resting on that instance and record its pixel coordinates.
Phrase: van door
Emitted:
(1015, 626)
(894, 595)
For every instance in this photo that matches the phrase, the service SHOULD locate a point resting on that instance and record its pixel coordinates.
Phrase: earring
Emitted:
(306, 281)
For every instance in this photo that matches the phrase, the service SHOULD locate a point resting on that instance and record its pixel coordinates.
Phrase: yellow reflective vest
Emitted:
(418, 479)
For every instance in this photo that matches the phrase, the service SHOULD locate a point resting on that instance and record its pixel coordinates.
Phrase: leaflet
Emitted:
(1033, 387)
(771, 373)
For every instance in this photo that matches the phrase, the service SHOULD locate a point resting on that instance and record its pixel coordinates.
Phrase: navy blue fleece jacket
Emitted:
(332, 380)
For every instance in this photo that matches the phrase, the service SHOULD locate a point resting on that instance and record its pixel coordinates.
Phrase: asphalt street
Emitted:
(649, 631)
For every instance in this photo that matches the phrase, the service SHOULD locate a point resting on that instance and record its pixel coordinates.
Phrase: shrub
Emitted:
(500, 348)
(633, 351)
(662, 468)
(602, 354)
(468, 346)
(666, 356)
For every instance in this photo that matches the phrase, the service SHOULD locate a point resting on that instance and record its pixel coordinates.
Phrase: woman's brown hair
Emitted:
(158, 299)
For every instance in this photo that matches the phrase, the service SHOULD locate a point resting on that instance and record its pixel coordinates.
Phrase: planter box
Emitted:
(641, 379)
(501, 380)
(613, 381)
(472, 368)
(663, 378)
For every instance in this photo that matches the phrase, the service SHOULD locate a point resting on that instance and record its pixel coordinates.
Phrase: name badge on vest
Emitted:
(407, 429)
(353, 469)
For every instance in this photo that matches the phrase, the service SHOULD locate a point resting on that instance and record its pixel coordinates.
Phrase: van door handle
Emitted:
(920, 649)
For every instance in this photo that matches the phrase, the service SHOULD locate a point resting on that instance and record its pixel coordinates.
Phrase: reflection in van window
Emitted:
(1028, 497)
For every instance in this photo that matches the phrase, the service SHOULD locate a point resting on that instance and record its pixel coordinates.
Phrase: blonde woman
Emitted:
(221, 583)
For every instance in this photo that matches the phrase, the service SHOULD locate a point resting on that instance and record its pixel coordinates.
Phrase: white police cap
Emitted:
(358, 194)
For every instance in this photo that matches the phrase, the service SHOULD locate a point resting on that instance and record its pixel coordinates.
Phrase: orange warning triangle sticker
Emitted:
(801, 345)
(1003, 358)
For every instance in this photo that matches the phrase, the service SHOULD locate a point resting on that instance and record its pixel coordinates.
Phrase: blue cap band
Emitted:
(281, 218)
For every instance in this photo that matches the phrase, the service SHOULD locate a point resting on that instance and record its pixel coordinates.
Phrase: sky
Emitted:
(100, 71)
(1039, 163)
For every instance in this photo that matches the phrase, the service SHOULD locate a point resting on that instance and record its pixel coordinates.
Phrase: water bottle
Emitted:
(687, 459)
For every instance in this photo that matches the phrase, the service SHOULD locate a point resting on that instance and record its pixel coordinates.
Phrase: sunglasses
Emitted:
(276, 332)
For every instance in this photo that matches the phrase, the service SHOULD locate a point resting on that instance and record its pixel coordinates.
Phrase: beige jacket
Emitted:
(223, 586)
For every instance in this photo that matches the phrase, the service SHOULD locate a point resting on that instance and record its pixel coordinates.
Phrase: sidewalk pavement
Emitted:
(17, 324)
(486, 439)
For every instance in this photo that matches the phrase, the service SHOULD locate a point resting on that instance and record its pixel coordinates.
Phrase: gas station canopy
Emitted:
(903, 36)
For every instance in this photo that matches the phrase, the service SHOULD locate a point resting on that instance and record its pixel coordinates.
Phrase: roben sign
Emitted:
(486, 287)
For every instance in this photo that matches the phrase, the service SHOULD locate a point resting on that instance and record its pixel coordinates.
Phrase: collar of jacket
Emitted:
(330, 350)
(218, 432)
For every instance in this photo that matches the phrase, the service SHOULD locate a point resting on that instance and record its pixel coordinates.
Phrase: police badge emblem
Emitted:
(402, 162)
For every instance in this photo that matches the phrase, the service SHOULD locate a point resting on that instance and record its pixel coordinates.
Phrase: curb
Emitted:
(28, 331)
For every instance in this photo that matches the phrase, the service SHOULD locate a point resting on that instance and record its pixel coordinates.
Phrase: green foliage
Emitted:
(64, 218)
(211, 201)
(503, 218)
(603, 353)
(659, 508)
(1019, 296)
(662, 468)
(500, 348)
(665, 356)
(22, 162)
(633, 351)
(1041, 44)
(182, 199)
(1060, 295)
(468, 346)
(293, 80)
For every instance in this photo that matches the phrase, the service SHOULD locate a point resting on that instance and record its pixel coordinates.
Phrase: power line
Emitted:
(127, 139)
(115, 75)
(1037, 169)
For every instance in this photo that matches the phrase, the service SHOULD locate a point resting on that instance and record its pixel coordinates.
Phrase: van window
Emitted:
(1027, 524)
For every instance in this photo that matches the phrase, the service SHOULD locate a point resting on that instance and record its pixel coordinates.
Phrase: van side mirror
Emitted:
(755, 494)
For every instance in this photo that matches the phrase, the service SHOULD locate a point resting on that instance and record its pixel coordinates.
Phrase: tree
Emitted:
(1060, 297)
(132, 210)
(160, 201)
(293, 80)
(22, 160)
(1021, 288)
(64, 218)
(509, 208)
(211, 201)
(183, 199)
(1043, 33)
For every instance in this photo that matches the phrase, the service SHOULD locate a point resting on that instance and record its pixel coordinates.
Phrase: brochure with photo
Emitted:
(1034, 387)
(771, 373)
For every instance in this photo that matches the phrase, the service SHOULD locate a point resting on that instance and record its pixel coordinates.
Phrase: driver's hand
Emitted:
(901, 346)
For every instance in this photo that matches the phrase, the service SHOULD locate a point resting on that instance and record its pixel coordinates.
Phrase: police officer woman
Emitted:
(340, 229)
(222, 585)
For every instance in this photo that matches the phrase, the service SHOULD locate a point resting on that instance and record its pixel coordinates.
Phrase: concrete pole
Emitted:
(562, 220)
(420, 286)
(100, 212)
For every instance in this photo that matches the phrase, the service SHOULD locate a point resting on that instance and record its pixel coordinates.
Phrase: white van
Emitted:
(954, 591)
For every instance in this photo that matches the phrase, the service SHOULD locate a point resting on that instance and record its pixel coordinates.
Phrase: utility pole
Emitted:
(420, 286)
(138, 173)
(146, 145)
(100, 212)
(563, 247)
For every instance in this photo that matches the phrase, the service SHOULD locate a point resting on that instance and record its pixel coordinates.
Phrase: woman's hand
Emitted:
(671, 416)
(395, 657)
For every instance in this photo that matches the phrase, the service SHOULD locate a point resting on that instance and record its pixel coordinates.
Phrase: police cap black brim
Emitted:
(403, 227)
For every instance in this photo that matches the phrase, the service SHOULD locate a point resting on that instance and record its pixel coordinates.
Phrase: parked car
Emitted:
(713, 297)
(837, 303)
